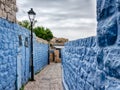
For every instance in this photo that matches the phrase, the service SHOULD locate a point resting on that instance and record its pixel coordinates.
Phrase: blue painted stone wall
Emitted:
(15, 58)
(93, 63)
(89, 67)
(79, 64)
(40, 55)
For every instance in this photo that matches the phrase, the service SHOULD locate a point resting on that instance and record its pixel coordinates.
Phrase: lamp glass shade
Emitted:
(31, 14)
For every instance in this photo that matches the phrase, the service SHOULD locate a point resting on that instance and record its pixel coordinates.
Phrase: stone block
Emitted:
(107, 33)
(1, 12)
(2, 7)
(7, 9)
(100, 60)
(105, 9)
(3, 1)
(112, 63)
(112, 84)
(4, 15)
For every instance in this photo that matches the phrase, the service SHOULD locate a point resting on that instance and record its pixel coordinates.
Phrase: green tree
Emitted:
(49, 34)
(44, 33)
(25, 23)
(40, 31)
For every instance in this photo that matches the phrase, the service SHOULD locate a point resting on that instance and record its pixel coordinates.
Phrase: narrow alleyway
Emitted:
(48, 79)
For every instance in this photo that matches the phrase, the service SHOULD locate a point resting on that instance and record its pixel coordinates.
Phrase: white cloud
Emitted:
(71, 19)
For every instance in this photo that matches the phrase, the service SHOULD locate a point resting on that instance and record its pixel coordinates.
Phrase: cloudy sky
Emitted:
(72, 19)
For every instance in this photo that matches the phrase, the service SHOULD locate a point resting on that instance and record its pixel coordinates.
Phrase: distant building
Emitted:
(56, 44)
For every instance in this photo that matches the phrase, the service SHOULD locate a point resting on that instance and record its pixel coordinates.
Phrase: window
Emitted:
(20, 40)
(26, 42)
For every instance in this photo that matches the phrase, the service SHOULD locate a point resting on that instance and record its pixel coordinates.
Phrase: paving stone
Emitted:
(49, 78)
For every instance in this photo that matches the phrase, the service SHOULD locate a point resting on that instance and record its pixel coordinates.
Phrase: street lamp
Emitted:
(31, 15)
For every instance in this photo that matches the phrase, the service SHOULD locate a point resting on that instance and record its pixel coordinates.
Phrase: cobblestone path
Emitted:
(48, 79)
